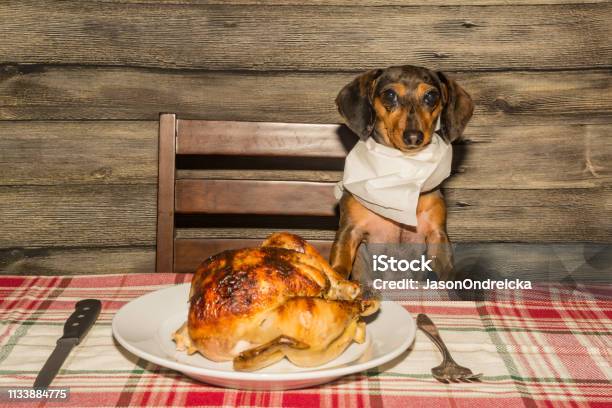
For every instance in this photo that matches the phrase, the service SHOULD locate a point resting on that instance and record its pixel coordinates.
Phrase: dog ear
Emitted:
(458, 108)
(354, 103)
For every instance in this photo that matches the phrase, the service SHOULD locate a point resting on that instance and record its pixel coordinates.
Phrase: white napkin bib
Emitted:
(389, 182)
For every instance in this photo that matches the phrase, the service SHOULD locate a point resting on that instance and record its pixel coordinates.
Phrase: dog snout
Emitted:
(413, 137)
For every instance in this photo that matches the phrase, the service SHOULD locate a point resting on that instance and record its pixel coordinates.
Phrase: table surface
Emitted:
(545, 350)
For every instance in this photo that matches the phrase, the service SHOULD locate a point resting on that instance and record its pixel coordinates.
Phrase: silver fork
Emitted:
(449, 370)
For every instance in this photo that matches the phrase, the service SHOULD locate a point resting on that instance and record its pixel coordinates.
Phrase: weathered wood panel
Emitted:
(124, 215)
(540, 262)
(534, 157)
(501, 98)
(39, 153)
(546, 156)
(77, 261)
(224, 37)
(363, 3)
(78, 215)
(529, 215)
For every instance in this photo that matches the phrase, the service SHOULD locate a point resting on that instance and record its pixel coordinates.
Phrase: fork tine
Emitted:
(441, 378)
(454, 378)
(474, 378)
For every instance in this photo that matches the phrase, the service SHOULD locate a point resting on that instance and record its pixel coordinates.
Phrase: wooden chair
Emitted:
(188, 193)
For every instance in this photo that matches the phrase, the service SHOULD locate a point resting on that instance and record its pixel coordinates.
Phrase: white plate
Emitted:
(144, 327)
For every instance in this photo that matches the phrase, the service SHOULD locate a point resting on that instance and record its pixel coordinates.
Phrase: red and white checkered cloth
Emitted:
(552, 349)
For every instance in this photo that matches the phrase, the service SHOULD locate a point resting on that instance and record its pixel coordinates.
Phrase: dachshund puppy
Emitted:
(399, 107)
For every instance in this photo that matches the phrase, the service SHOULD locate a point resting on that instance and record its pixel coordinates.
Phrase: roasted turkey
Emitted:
(256, 306)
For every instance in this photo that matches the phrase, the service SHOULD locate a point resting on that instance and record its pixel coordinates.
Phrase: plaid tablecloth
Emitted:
(552, 349)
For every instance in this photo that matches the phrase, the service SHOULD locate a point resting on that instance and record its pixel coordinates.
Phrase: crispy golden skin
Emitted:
(258, 305)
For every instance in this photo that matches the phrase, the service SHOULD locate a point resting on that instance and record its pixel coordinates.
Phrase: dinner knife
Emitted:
(76, 327)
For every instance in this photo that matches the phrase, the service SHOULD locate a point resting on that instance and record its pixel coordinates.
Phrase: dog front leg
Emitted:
(440, 251)
(431, 222)
(344, 249)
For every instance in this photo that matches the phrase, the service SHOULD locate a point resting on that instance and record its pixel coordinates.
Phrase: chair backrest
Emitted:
(191, 198)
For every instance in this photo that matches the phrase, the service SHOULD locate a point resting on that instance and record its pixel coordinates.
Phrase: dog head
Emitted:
(399, 106)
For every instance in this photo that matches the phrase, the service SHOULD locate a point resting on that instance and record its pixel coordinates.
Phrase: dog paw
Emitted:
(442, 260)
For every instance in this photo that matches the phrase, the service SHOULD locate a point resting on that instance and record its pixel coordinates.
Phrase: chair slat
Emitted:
(189, 253)
(165, 193)
(255, 197)
(263, 139)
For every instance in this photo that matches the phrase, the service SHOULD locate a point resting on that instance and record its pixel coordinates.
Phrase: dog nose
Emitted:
(413, 137)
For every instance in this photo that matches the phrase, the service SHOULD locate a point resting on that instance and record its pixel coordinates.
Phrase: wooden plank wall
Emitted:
(82, 83)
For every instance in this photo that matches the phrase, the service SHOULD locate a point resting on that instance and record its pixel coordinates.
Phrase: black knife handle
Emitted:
(85, 314)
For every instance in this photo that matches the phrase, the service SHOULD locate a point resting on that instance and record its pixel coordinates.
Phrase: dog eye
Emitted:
(389, 97)
(431, 98)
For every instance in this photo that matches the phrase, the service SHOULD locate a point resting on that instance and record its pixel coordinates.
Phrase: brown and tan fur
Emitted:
(399, 107)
